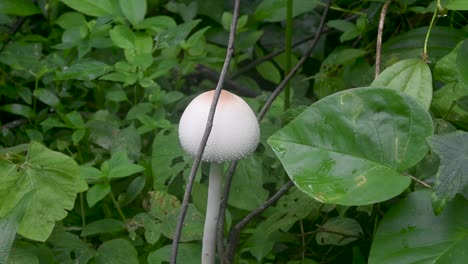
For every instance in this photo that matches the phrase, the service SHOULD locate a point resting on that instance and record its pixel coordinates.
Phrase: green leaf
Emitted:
(456, 5)
(133, 190)
(162, 204)
(18, 8)
(409, 45)
(157, 23)
(117, 251)
(462, 66)
(275, 10)
(411, 233)
(411, 76)
(134, 10)
(47, 97)
(357, 141)
(127, 140)
(9, 225)
(71, 20)
(269, 71)
(69, 248)
(120, 166)
(97, 193)
(444, 104)
(91, 7)
(342, 231)
(103, 226)
(187, 254)
(350, 31)
(247, 177)
(452, 177)
(56, 180)
(192, 230)
(151, 226)
(19, 109)
(84, 70)
(122, 36)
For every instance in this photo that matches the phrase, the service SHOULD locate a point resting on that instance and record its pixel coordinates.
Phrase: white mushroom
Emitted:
(235, 134)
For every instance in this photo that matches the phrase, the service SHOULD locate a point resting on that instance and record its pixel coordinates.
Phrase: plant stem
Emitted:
(426, 40)
(212, 211)
(288, 46)
(117, 206)
(378, 49)
(83, 215)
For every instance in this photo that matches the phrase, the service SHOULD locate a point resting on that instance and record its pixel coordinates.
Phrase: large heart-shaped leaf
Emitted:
(411, 233)
(346, 147)
(411, 76)
(452, 177)
(55, 179)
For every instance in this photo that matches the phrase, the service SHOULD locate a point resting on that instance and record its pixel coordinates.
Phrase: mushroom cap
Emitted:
(235, 132)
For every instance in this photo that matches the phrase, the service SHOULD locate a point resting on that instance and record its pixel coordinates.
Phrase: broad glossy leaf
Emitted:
(452, 177)
(18, 8)
(411, 233)
(409, 45)
(91, 7)
(411, 76)
(134, 10)
(117, 251)
(47, 97)
(70, 20)
(56, 180)
(345, 147)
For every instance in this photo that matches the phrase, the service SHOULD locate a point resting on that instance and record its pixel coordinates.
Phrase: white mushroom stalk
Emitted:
(235, 134)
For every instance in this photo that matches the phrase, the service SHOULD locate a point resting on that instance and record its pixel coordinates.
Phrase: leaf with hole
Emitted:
(345, 147)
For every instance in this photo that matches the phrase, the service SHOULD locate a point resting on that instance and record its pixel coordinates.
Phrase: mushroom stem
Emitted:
(212, 211)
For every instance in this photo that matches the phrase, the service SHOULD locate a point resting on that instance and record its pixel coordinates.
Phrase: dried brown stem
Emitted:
(378, 50)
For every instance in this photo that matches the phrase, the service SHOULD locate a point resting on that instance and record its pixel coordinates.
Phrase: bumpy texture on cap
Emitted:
(235, 131)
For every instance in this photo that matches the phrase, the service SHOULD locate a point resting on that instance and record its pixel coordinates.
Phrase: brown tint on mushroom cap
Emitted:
(235, 131)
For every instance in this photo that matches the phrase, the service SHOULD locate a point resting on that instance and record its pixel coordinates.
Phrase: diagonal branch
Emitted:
(261, 114)
(206, 134)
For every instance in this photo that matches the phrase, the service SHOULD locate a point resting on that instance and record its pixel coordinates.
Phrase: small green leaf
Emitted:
(452, 177)
(359, 139)
(123, 37)
(97, 193)
(71, 20)
(19, 109)
(117, 251)
(120, 166)
(102, 226)
(91, 7)
(269, 71)
(188, 254)
(47, 97)
(151, 226)
(342, 231)
(411, 76)
(411, 233)
(133, 190)
(134, 10)
(84, 70)
(157, 23)
(18, 8)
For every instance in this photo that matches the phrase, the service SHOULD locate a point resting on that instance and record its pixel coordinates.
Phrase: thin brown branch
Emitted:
(235, 232)
(220, 229)
(420, 182)
(206, 134)
(378, 50)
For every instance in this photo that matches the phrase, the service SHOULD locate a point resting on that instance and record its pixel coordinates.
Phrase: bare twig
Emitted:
(261, 114)
(344, 235)
(420, 182)
(378, 50)
(206, 134)
(235, 232)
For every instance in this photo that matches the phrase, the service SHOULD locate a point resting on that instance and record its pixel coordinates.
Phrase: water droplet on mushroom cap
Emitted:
(235, 131)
